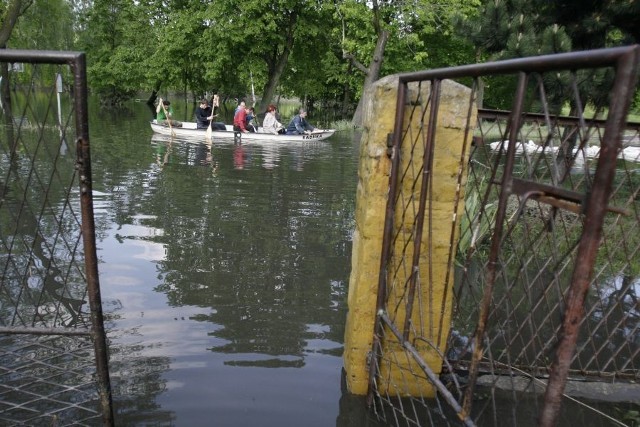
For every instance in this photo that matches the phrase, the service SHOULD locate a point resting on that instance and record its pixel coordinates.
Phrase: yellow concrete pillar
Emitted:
(371, 199)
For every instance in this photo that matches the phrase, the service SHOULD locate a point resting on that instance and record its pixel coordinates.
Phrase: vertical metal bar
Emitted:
(455, 223)
(427, 161)
(626, 75)
(485, 304)
(89, 239)
(378, 328)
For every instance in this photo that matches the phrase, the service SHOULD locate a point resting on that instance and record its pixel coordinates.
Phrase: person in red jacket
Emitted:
(239, 120)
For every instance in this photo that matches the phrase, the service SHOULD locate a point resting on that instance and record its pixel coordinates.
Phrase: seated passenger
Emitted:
(204, 116)
(249, 123)
(240, 119)
(164, 114)
(299, 124)
(271, 123)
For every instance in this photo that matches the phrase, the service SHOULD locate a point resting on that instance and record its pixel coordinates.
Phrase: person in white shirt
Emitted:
(270, 124)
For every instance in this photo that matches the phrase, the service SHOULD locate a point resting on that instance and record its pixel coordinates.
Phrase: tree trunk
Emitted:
(346, 96)
(276, 64)
(273, 80)
(13, 12)
(372, 74)
(5, 102)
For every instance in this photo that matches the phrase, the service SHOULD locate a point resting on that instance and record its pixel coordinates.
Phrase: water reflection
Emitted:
(613, 321)
(226, 268)
(41, 282)
(268, 153)
(238, 156)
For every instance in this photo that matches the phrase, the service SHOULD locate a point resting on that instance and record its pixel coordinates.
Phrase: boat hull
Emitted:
(189, 131)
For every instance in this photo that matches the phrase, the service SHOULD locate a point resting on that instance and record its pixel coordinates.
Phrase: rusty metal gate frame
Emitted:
(624, 60)
(77, 62)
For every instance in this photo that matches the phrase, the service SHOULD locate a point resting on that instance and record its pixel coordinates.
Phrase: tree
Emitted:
(401, 23)
(252, 37)
(10, 13)
(110, 37)
(45, 25)
(309, 49)
(518, 28)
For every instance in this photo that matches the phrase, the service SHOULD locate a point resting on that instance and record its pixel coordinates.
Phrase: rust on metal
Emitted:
(626, 69)
(53, 318)
(527, 223)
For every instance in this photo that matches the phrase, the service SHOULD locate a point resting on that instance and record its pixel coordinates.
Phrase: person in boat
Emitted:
(299, 124)
(249, 121)
(241, 104)
(240, 119)
(204, 116)
(270, 124)
(164, 114)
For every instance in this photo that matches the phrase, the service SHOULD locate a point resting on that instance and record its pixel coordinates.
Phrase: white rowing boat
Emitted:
(189, 130)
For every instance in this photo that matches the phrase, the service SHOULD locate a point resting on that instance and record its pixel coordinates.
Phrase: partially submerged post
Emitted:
(430, 307)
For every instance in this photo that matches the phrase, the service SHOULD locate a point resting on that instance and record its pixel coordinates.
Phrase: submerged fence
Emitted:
(543, 249)
(53, 355)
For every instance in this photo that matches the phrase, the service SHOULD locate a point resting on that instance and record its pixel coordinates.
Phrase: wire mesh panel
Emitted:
(541, 256)
(53, 367)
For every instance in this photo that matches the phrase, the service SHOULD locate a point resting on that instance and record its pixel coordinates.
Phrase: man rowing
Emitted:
(299, 125)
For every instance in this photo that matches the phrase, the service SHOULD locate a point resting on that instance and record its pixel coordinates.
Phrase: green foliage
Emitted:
(518, 28)
(635, 105)
(295, 48)
(46, 24)
(421, 35)
(253, 38)
(341, 125)
(499, 92)
(632, 416)
(111, 65)
(300, 48)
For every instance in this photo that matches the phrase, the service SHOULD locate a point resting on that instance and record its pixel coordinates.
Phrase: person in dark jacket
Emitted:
(204, 116)
(299, 124)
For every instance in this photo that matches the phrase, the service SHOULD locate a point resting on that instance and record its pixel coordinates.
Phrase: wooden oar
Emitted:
(208, 134)
(166, 115)
(213, 110)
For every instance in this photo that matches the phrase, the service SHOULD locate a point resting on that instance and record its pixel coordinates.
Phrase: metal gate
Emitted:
(545, 250)
(53, 351)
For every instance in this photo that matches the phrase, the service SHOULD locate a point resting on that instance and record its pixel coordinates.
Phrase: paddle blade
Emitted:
(208, 133)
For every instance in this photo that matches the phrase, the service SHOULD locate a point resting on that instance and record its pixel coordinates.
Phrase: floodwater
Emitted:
(224, 272)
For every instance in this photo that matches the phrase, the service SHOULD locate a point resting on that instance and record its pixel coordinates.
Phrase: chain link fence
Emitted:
(53, 359)
(543, 250)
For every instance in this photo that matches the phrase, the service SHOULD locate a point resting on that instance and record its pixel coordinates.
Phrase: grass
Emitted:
(342, 125)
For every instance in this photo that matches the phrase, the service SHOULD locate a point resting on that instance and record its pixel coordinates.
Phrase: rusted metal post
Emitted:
(427, 173)
(89, 239)
(485, 305)
(626, 74)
